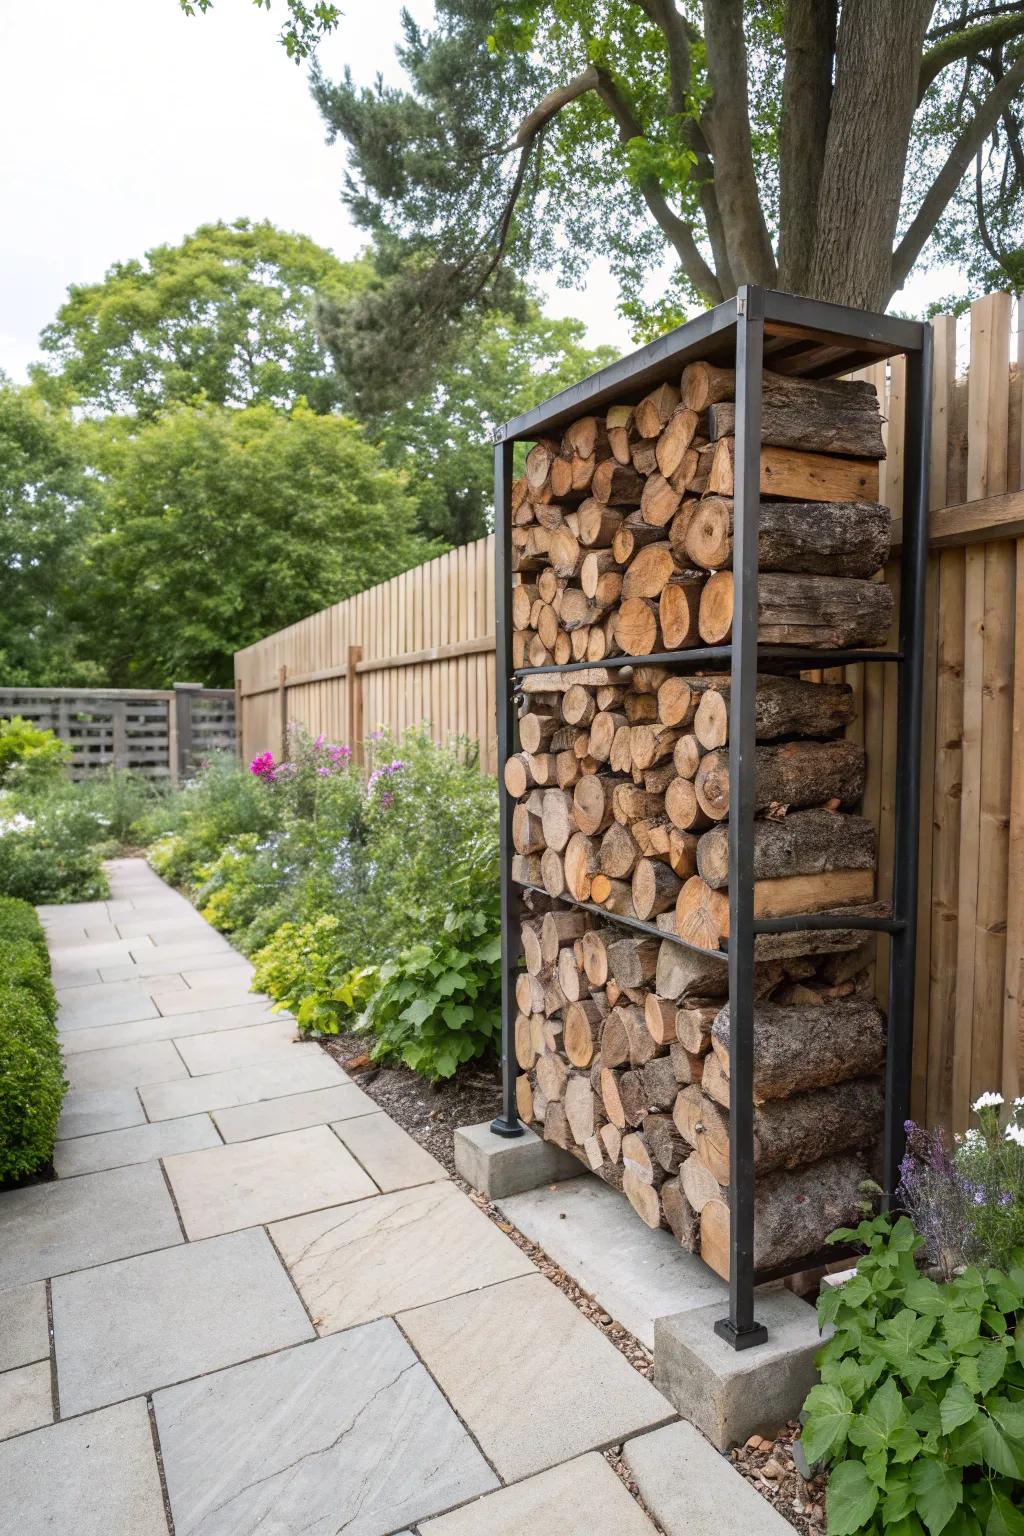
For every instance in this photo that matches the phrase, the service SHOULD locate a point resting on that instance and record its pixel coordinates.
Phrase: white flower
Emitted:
(987, 1101)
(1015, 1133)
(971, 1138)
(16, 823)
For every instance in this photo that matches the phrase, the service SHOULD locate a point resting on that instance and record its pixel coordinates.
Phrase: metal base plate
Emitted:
(500, 1127)
(745, 1338)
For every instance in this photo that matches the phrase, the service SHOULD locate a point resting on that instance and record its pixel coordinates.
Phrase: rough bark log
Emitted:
(693, 1028)
(826, 611)
(633, 961)
(796, 1049)
(791, 1132)
(798, 774)
(803, 843)
(825, 538)
(816, 425)
(793, 1214)
(617, 484)
(783, 706)
(660, 1083)
(686, 977)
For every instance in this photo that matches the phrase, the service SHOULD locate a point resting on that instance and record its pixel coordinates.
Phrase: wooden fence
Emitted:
(417, 648)
(420, 647)
(162, 734)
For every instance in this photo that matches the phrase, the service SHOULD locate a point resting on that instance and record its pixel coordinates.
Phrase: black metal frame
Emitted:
(757, 329)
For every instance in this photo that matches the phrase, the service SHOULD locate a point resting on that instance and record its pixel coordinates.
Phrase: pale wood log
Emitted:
(686, 1114)
(649, 571)
(552, 872)
(567, 769)
(518, 775)
(642, 453)
(630, 804)
(633, 961)
(615, 895)
(575, 611)
(657, 778)
(526, 1053)
(598, 524)
(677, 702)
(558, 928)
(651, 744)
(536, 731)
(529, 933)
(793, 1214)
(641, 1045)
(524, 1099)
(802, 843)
(660, 1018)
(686, 755)
(660, 501)
(571, 980)
(595, 954)
(564, 552)
(830, 612)
(699, 1183)
(614, 1039)
(643, 1198)
(825, 538)
(579, 1107)
(611, 1097)
(594, 1153)
(585, 436)
(551, 1074)
(655, 409)
(633, 1097)
(702, 914)
(592, 803)
(526, 868)
(618, 426)
(617, 484)
(640, 708)
(527, 830)
(638, 1158)
(679, 611)
(704, 384)
(538, 463)
(529, 992)
(580, 866)
(556, 1127)
(683, 807)
(686, 977)
(523, 598)
(675, 439)
(581, 1032)
(791, 473)
(655, 888)
(611, 1139)
(557, 820)
(632, 535)
(693, 1029)
(687, 1066)
(619, 852)
(679, 1214)
(597, 564)
(602, 733)
(637, 627)
(796, 1049)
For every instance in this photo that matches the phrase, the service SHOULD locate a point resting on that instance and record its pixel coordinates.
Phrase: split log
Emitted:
(611, 1139)
(598, 524)
(789, 472)
(655, 888)
(633, 961)
(659, 1080)
(527, 830)
(556, 1127)
(637, 627)
(518, 775)
(686, 1114)
(649, 571)
(686, 755)
(611, 1097)
(617, 484)
(592, 803)
(665, 1142)
(536, 731)
(698, 1183)
(660, 501)
(675, 439)
(682, 1219)
(683, 807)
(585, 436)
(615, 895)
(686, 977)
(824, 538)
(529, 993)
(614, 1040)
(693, 1028)
(638, 1158)
(632, 535)
(526, 868)
(571, 980)
(539, 461)
(558, 928)
(796, 1049)
(803, 843)
(632, 1097)
(660, 1018)
(687, 1066)
(602, 733)
(791, 1132)
(552, 872)
(655, 410)
(677, 702)
(551, 1074)
(580, 866)
(524, 1099)
(643, 1198)
(529, 934)
(526, 1054)
(643, 456)
(578, 1099)
(595, 954)
(702, 914)
(798, 774)
(581, 1032)
(828, 611)
(679, 611)
(619, 425)
(783, 706)
(619, 852)
(793, 1214)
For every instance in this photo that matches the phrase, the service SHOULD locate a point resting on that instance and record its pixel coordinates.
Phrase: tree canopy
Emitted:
(220, 526)
(819, 148)
(226, 315)
(47, 510)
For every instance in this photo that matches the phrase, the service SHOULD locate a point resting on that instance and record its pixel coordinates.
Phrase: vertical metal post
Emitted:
(507, 1123)
(914, 569)
(740, 1328)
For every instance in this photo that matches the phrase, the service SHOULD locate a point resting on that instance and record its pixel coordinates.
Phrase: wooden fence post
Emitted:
(183, 741)
(354, 728)
(282, 709)
(239, 719)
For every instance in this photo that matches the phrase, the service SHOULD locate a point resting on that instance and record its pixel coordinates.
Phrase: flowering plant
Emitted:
(967, 1197)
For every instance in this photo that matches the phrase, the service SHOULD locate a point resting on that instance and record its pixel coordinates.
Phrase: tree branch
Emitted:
(746, 232)
(550, 105)
(952, 173)
(965, 45)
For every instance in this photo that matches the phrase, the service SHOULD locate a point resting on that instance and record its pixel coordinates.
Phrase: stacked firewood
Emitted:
(622, 531)
(622, 538)
(622, 1042)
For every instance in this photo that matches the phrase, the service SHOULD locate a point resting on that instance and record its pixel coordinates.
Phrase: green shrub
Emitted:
(302, 969)
(439, 1005)
(53, 855)
(32, 1084)
(22, 965)
(920, 1409)
(212, 810)
(29, 756)
(19, 921)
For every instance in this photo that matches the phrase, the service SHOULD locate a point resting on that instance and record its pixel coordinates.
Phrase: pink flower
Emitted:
(262, 767)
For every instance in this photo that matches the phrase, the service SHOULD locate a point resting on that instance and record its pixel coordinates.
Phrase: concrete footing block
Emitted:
(732, 1394)
(498, 1166)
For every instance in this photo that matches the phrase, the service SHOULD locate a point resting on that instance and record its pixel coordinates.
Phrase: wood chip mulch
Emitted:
(431, 1113)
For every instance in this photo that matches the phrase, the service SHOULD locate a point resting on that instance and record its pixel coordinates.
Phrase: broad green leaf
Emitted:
(1001, 1454)
(851, 1499)
(1006, 1518)
(925, 1297)
(1009, 1416)
(828, 1414)
(939, 1489)
(874, 1427)
(957, 1407)
(991, 1365)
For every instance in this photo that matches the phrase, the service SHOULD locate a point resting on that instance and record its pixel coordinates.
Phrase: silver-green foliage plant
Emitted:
(920, 1408)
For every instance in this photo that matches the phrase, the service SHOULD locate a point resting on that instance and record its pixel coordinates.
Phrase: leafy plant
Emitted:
(920, 1408)
(53, 855)
(303, 970)
(29, 755)
(31, 1076)
(439, 1005)
(23, 965)
(19, 921)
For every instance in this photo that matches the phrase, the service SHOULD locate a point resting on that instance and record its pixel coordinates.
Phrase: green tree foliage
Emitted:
(47, 508)
(808, 146)
(224, 315)
(442, 436)
(303, 27)
(221, 526)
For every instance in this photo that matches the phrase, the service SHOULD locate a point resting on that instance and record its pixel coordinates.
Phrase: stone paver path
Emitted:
(250, 1303)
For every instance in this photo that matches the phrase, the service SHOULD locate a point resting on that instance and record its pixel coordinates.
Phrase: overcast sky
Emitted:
(124, 124)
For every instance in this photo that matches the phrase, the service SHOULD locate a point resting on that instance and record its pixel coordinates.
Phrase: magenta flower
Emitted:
(262, 767)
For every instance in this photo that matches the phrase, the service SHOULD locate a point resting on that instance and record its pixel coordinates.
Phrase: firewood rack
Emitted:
(802, 337)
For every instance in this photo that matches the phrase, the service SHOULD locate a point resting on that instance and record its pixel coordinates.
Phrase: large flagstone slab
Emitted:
(26, 1399)
(579, 1498)
(221, 1050)
(245, 1085)
(344, 1434)
(124, 1066)
(102, 1109)
(483, 1350)
(93, 1476)
(322, 1106)
(24, 1329)
(127, 1328)
(104, 1003)
(253, 1182)
(48, 1229)
(359, 1262)
(390, 1155)
(136, 1144)
(139, 1031)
